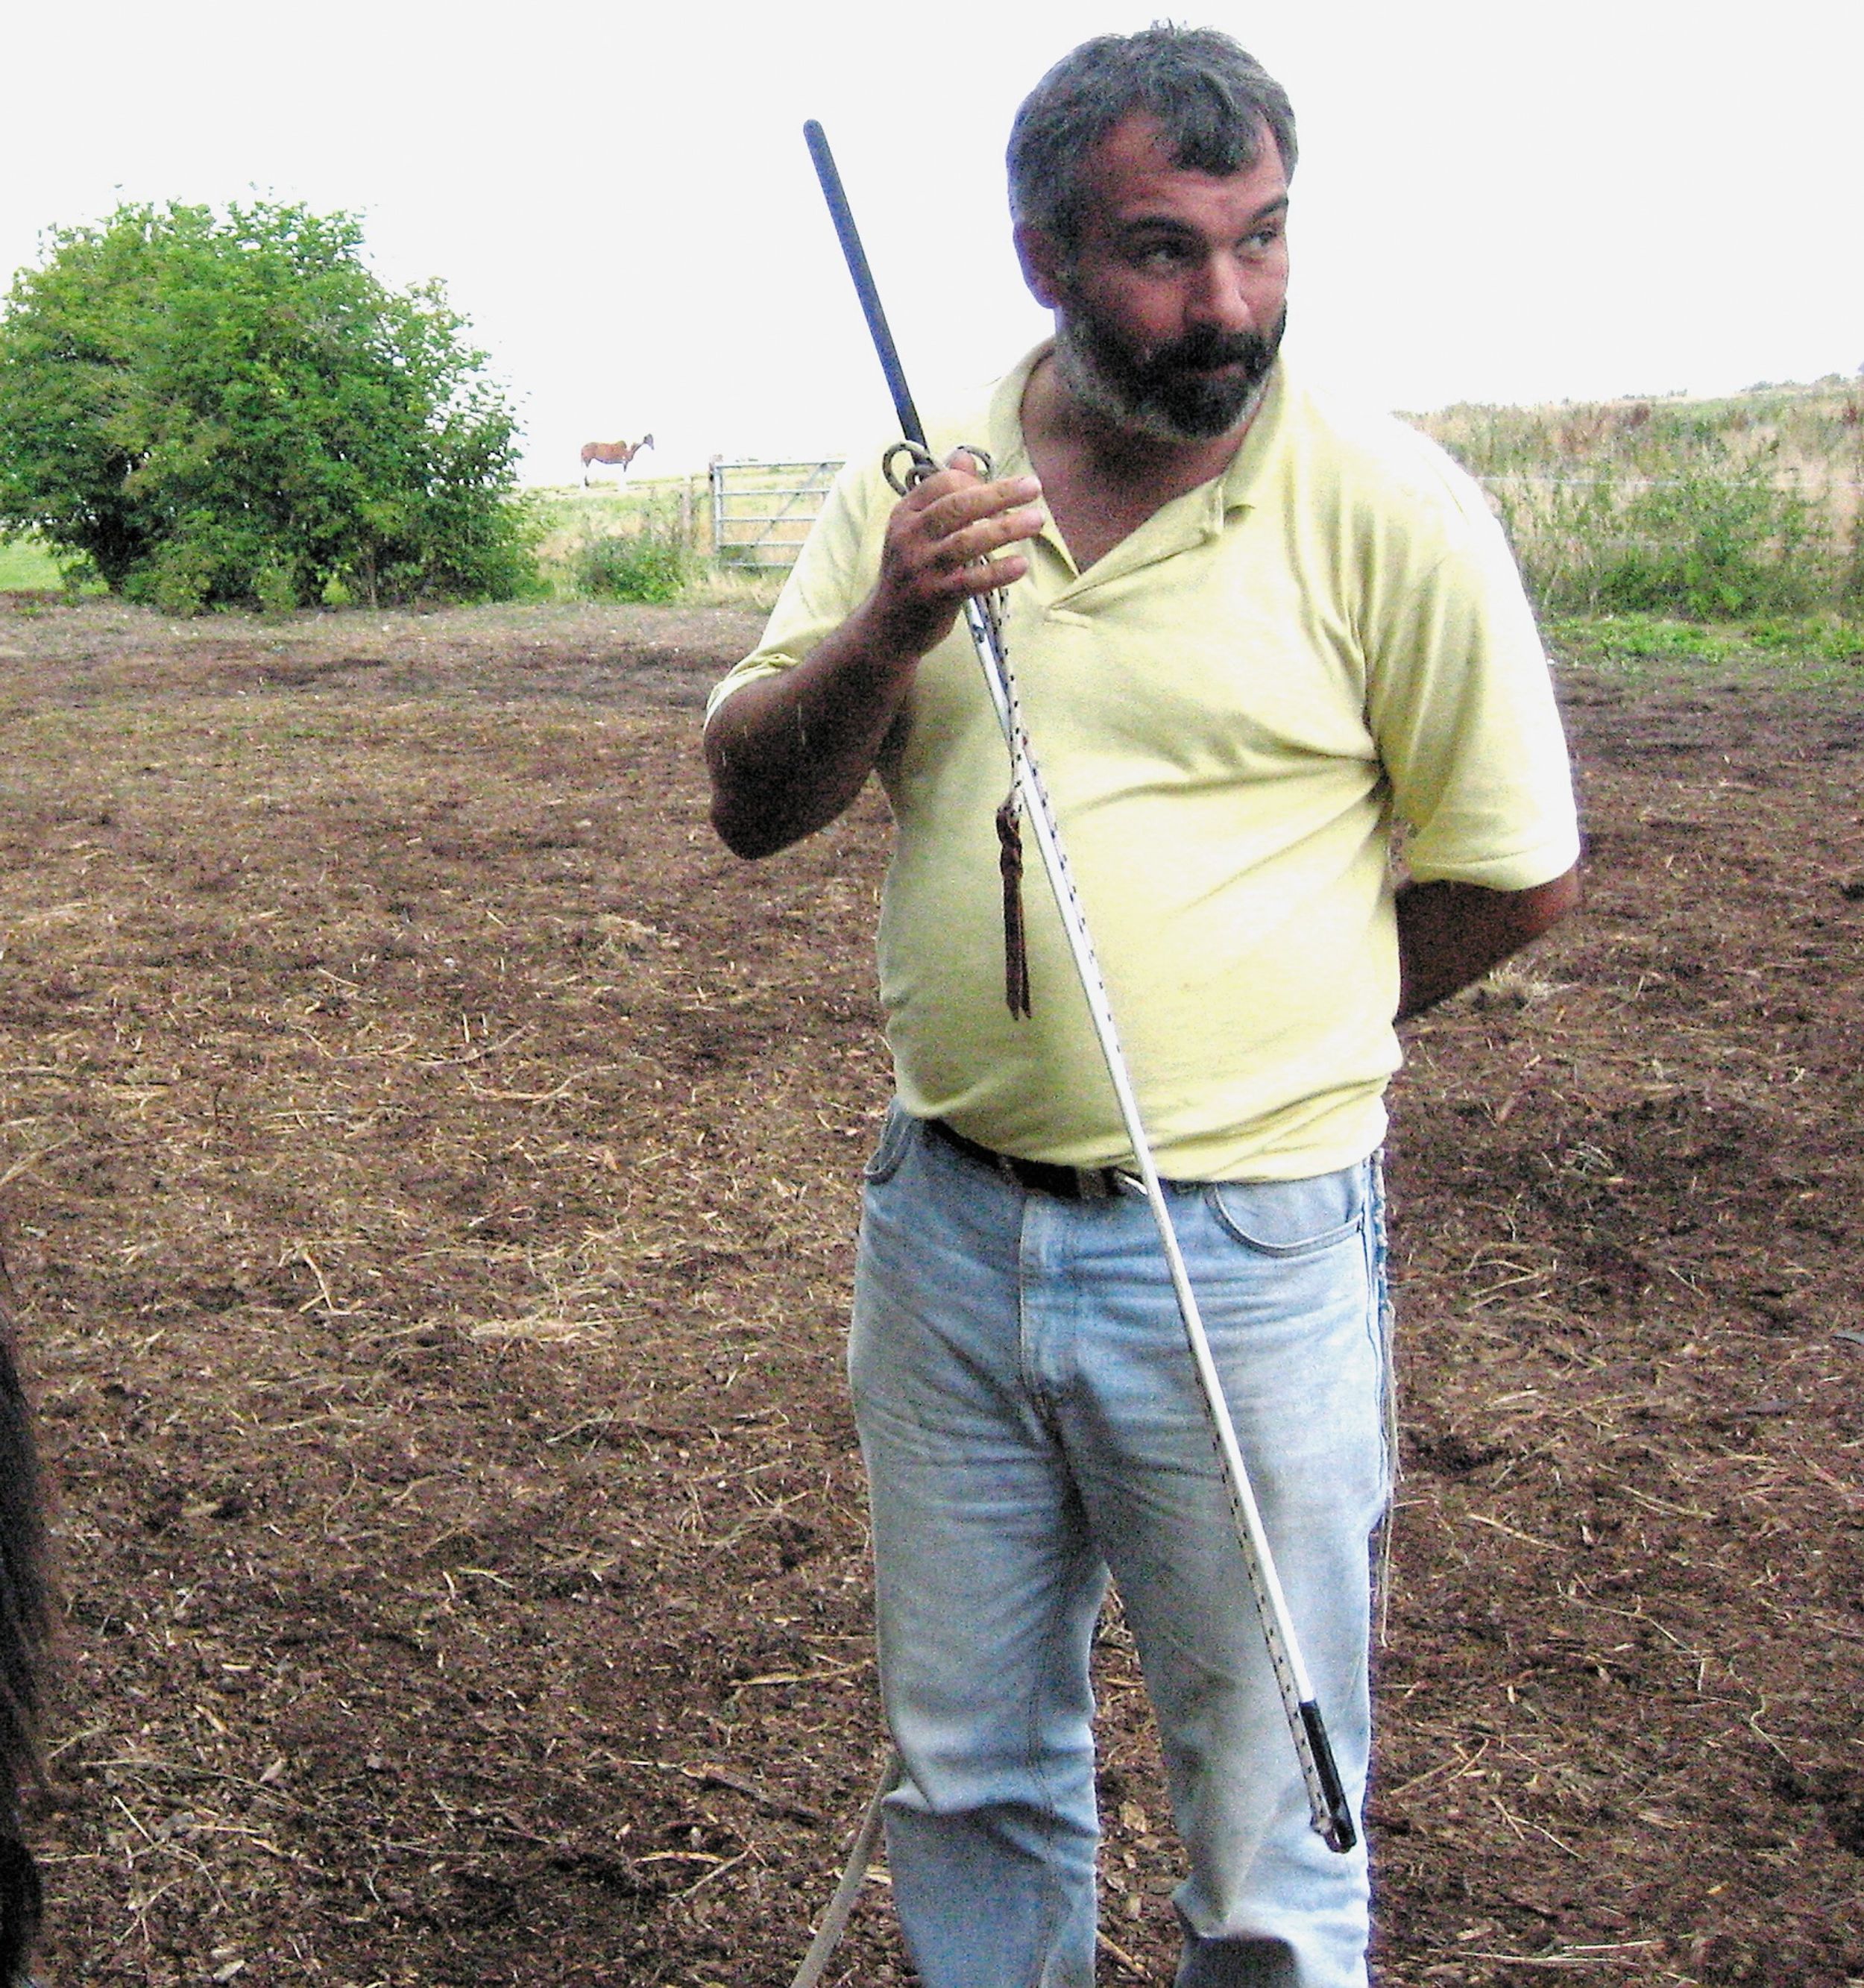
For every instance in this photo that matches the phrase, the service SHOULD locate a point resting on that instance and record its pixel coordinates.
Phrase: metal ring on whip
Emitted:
(922, 466)
(919, 466)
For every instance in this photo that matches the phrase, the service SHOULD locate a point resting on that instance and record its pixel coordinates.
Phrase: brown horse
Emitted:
(618, 454)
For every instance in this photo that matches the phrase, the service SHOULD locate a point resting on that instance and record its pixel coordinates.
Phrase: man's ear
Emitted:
(1044, 266)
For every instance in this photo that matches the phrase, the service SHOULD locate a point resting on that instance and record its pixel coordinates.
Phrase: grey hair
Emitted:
(1210, 97)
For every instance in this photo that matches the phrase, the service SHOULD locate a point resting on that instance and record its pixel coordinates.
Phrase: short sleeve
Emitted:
(1460, 700)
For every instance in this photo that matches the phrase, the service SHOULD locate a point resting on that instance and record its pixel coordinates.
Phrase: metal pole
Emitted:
(856, 257)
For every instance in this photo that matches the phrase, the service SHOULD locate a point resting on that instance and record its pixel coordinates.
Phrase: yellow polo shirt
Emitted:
(1230, 711)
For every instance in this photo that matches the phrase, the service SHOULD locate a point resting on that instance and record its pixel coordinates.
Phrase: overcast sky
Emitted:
(1496, 201)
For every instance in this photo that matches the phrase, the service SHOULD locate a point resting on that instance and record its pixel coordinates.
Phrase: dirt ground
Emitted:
(426, 1173)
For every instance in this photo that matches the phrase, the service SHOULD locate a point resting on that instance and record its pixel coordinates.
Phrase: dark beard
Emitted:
(1168, 393)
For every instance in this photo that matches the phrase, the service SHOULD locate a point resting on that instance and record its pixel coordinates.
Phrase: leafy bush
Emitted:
(650, 564)
(237, 411)
(1717, 536)
(1720, 539)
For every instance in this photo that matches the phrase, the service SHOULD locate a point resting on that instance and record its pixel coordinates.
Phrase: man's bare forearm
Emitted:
(1451, 934)
(787, 754)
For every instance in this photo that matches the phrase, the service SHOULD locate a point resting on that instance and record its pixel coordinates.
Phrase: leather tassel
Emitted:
(1015, 950)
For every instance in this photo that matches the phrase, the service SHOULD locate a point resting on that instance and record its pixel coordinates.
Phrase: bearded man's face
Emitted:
(1171, 297)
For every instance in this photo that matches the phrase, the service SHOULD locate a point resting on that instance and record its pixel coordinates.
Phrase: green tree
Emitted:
(236, 410)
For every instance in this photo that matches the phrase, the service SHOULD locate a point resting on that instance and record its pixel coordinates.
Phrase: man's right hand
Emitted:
(788, 753)
(940, 551)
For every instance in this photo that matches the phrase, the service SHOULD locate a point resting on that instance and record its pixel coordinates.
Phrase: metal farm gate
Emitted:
(762, 511)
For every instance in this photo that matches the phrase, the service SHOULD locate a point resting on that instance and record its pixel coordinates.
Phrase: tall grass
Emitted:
(650, 541)
(648, 559)
(1731, 509)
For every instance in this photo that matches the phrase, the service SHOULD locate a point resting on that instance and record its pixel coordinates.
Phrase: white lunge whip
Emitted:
(1331, 1813)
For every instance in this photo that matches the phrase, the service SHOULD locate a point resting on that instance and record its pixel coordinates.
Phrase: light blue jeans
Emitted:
(1030, 1419)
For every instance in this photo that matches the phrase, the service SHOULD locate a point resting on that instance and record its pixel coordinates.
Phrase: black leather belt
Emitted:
(1037, 1176)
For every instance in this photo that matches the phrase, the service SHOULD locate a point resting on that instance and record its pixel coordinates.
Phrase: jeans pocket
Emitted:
(1292, 1218)
(896, 1135)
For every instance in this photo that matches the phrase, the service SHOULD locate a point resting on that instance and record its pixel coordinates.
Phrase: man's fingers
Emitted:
(956, 496)
(988, 536)
(971, 520)
(987, 576)
(943, 545)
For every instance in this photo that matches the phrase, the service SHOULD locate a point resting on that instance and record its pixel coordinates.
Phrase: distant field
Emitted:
(25, 566)
(1813, 434)
(1739, 508)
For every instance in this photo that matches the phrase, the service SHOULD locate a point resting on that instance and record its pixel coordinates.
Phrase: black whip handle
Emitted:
(856, 257)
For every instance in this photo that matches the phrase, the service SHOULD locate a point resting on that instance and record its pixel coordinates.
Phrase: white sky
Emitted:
(1496, 200)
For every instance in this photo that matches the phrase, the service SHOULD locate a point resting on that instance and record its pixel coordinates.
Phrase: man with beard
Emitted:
(1258, 639)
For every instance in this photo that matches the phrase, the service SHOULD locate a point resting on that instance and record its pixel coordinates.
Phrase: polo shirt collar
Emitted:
(1249, 466)
(1198, 514)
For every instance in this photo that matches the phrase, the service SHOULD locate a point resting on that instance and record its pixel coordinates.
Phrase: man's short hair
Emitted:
(1210, 97)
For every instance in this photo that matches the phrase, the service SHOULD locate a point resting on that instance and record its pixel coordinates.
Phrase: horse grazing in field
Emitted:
(26, 1630)
(618, 455)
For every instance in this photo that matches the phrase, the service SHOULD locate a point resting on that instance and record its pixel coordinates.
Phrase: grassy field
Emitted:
(1807, 650)
(1739, 507)
(26, 567)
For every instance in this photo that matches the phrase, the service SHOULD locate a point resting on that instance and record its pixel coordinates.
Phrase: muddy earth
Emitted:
(426, 1177)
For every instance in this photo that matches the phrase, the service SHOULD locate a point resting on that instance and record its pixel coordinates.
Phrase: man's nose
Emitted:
(1221, 299)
